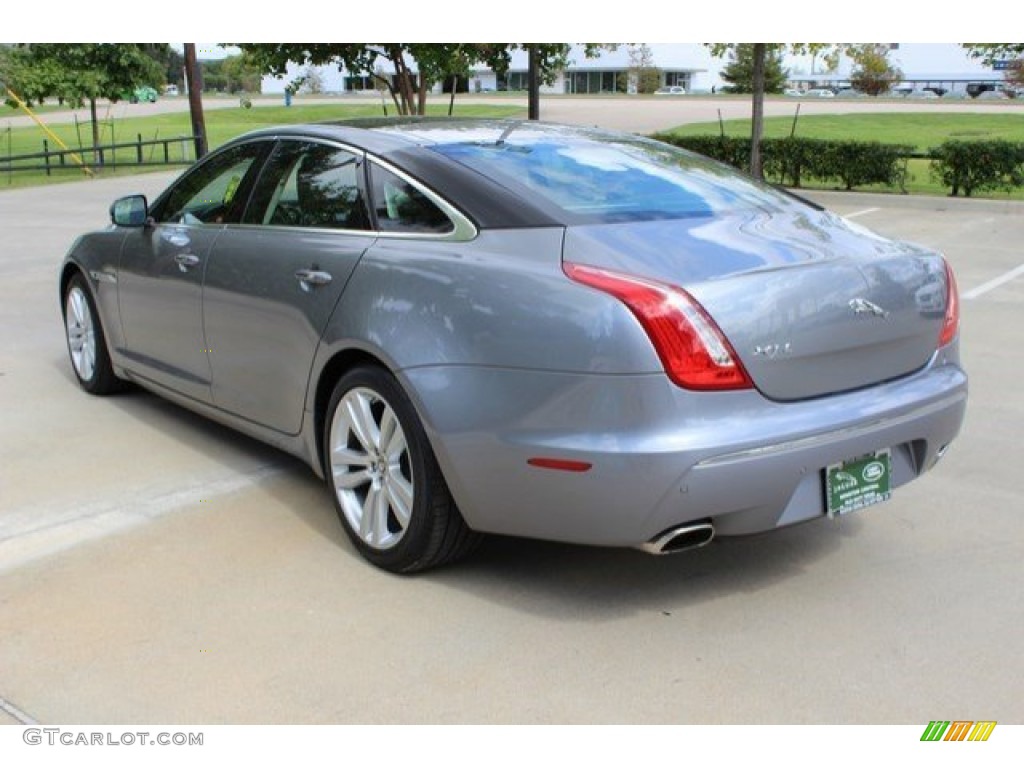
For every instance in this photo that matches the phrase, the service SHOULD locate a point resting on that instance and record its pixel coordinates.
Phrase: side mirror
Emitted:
(131, 211)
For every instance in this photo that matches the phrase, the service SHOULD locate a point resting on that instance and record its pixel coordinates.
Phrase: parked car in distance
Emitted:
(820, 93)
(922, 95)
(992, 96)
(171, 90)
(974, 89)
(850, 93)
(518, 328)
(144, 93)
(671, 90)
(795, 92)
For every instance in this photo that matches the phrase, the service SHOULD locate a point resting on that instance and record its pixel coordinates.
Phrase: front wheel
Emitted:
(388, 489)
(86, 343)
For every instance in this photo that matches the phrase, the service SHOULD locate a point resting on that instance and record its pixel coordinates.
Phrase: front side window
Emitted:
(402, 208)
(306, 184)
(210, 193)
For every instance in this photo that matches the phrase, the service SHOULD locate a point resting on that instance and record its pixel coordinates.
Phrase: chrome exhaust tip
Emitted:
(681, 538)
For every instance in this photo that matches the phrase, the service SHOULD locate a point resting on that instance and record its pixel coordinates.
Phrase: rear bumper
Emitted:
(662, 456)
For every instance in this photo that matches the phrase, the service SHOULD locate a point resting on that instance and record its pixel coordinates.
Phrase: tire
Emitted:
(87, 344)
(387, 486)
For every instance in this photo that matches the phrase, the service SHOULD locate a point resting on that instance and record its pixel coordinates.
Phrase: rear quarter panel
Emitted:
(501, 300)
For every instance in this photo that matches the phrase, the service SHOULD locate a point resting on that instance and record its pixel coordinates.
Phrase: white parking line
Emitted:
(16, 713)
(991, 285)
(22, 543)
(855, 214)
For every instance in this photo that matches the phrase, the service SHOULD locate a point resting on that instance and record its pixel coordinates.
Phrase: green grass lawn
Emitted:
(922, 131)
(221, 125)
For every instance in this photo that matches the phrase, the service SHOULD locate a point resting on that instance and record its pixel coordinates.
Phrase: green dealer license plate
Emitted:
(858, 483)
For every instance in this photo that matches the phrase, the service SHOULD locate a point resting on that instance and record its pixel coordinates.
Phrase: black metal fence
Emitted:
(178, 150)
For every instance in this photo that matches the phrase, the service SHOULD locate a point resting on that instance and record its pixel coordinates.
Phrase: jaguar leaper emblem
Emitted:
(865, 307)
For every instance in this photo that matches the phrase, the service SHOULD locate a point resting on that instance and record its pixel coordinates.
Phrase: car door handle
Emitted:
(311, 277)
(186, 261)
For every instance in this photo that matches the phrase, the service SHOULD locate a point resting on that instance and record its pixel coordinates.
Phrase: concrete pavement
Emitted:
(156, 568)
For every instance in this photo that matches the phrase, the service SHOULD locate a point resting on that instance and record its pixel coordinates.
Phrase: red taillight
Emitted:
(695, 353)
(951, 324)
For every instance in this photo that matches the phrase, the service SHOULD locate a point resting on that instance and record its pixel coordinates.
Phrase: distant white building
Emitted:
(691, 65)
(946, 67)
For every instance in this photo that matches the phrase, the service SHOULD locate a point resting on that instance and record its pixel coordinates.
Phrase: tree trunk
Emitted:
(757, 113)
(533, 85)
(421, 106)
(402, 79)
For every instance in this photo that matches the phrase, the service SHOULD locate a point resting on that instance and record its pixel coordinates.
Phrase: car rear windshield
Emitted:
(610, 181)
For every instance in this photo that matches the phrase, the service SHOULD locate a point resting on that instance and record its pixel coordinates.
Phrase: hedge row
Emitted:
(793, 161)
(964, 167)
(974, 166)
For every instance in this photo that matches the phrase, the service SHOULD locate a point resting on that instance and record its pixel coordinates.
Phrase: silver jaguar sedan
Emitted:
(526, 329)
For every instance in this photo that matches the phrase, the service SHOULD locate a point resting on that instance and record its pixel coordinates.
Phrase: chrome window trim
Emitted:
(464, 229)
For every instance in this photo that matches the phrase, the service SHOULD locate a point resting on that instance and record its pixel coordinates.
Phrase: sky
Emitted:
(539, 20)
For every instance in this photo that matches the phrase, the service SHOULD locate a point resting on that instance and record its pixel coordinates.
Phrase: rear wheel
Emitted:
(87, 344)
(388, 489)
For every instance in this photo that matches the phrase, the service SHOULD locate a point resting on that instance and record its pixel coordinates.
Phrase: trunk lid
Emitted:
(812, 304)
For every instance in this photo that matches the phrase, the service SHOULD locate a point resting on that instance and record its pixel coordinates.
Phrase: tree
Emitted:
(313, 81)
(872, 74)
(416, 66)
(739, 72)
(81, 73)
(432, 63)
(760, 52)
(170, 61)
(1015, 73)
(642, 74)
(241, 73)
(990, 53)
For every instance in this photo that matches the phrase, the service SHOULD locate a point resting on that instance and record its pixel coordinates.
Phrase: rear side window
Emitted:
(401, 207)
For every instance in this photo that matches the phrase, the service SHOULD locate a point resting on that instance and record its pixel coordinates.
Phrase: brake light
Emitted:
(951, 324)
(693, 350)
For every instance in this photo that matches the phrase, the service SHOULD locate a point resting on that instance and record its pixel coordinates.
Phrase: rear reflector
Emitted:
(694, 352)
(566, 465)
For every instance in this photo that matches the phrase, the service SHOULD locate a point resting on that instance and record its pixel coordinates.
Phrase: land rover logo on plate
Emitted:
(873, 471)
(858, 483)
(865, 307)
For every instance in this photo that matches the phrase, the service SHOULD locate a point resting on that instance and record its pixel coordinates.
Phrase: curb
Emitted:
(830, 198)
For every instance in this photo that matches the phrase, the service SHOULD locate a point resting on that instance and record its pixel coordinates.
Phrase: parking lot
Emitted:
(156, 568)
